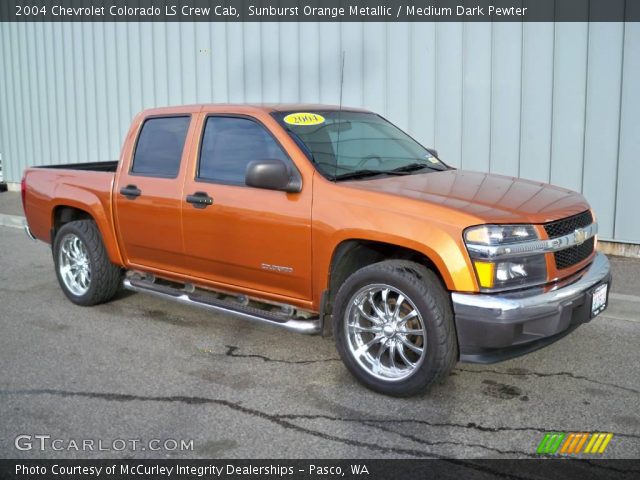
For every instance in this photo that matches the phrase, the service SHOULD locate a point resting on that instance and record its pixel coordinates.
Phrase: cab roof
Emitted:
(287, 107)
(244, 107)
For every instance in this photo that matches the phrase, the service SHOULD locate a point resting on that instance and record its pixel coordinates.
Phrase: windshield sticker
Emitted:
(304, 118)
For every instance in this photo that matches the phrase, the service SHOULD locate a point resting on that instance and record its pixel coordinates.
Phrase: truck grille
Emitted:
(572, 255)
(567, 225)
(576, 254)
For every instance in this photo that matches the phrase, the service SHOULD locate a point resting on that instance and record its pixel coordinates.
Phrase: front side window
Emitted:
(347, 144)
(159, 148)
(229, 144)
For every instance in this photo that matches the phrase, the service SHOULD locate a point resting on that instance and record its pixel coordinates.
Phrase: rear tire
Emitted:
(394, 329)
(84, 271)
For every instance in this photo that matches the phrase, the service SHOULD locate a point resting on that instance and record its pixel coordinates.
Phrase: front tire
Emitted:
(84, 271)
(394, 329)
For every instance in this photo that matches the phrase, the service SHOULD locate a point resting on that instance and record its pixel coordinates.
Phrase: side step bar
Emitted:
(184, 296)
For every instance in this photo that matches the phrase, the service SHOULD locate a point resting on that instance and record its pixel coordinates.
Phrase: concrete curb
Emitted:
(13, 186)
(14, 221)
(629, 250)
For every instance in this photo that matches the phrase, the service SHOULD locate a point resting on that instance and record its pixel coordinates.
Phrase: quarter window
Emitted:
(229, 144)
(159, 147)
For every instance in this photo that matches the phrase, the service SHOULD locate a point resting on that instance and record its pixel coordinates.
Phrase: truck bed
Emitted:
(108, 166)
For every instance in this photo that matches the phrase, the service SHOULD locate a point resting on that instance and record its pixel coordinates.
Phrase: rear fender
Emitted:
(99, 209)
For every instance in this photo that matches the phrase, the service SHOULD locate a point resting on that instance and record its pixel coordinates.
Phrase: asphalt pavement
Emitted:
(10, 203)
(140, 368)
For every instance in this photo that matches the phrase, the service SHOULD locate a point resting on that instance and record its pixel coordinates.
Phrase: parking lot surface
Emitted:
(143, 368)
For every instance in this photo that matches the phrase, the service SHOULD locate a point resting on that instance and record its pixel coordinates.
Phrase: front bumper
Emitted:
(496, 327)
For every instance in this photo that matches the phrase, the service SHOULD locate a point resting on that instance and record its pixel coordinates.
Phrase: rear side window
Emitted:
(159, 147)
(229, 144)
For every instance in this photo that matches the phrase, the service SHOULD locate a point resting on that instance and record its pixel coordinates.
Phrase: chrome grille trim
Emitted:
(533, 247)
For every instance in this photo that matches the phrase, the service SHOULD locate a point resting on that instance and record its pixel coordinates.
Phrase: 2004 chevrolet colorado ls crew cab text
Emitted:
(318, 218)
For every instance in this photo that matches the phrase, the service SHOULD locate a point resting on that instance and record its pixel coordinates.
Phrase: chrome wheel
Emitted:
(74, 266)
(385, 332)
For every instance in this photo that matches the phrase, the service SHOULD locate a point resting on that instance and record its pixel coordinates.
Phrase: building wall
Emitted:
(558, 103)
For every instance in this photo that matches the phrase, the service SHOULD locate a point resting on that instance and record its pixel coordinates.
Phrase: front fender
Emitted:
(341, 213)
(443, 250)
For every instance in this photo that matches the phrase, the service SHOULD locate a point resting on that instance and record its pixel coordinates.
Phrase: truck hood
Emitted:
(489, 197)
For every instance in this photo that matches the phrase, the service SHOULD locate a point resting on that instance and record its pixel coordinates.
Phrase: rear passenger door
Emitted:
(148, 194)
(248, 238)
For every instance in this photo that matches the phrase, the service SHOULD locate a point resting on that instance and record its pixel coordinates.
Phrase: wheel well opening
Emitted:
(64, 214)
(352, 255)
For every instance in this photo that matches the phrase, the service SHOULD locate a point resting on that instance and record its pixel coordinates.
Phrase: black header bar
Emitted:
(319, 10)
(361, 469)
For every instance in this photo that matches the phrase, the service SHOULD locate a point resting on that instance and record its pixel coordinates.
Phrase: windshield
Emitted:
(356, 144)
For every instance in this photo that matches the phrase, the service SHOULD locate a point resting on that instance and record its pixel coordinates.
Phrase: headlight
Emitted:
(504, 256)
(511, 274)
(500, 234)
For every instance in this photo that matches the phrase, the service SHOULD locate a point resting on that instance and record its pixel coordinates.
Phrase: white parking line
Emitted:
(624, 319)
(625, 297)
(14, 221)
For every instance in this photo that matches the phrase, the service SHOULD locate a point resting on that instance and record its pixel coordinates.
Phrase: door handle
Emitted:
(200, 200)
(131, 192)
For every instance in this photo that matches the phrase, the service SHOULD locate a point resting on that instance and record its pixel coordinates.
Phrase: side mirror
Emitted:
(433, 152)
(272, 174)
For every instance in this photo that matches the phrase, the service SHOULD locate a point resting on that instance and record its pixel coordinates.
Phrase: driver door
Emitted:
(246, 238)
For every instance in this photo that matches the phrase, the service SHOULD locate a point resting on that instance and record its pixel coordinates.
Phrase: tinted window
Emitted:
(160, 146)
(229, 144)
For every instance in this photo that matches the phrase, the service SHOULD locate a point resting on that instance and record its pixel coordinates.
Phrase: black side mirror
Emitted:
(272, 174)
(433, 152)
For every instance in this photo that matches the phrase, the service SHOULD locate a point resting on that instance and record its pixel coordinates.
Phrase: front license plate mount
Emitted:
(599, 297)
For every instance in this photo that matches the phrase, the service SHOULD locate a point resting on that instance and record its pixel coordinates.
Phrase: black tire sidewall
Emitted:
(429, 297)
(90, 294)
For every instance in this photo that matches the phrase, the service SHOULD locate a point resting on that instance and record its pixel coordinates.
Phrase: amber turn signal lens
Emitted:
(485, 273)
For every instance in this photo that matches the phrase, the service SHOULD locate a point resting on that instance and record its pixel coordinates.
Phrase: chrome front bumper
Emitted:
(495, 327)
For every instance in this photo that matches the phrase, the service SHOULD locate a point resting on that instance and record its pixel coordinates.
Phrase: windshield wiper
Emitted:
(412, 167)
(404, 170)
(366, 173)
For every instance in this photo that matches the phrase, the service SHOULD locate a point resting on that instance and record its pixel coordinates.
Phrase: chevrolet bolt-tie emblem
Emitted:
(580, 236)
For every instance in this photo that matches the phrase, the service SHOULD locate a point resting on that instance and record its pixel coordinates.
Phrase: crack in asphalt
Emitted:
(470, 425)
(281, 420)
(123, 397)
(423, 441)
(231, 352)
(551, 374)
(277, 419)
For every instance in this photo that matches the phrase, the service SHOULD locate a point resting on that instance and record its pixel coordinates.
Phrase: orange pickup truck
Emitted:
(324, 219)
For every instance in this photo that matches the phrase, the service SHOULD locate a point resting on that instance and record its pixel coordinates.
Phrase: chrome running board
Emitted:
(190, 296)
